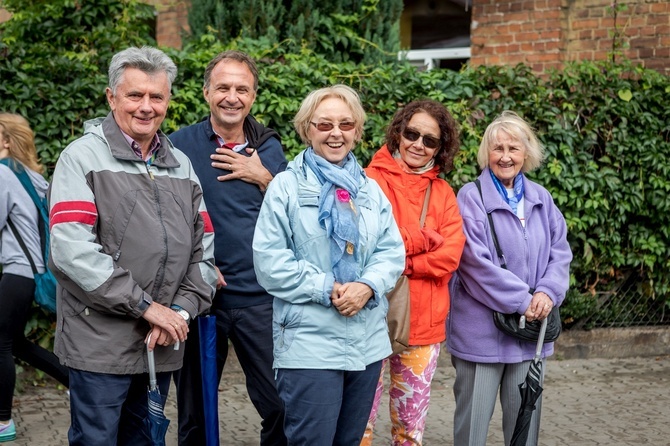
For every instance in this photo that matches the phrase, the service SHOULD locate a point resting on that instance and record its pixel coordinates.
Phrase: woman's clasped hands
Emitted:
(349, 298)
(539, 308)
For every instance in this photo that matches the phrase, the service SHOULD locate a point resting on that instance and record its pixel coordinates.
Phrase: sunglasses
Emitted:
(328, 126)
(429, 141)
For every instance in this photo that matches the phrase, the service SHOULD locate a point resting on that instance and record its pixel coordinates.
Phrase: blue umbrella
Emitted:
(210, 377)
(156, 422)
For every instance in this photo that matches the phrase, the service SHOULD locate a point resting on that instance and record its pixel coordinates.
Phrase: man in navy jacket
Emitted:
(235, 158)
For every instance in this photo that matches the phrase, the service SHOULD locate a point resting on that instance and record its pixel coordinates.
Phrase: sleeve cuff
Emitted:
(328, 282)
(373, 302)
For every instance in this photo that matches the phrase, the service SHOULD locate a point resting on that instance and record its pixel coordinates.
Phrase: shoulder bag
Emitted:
(398, 313)
(511, 323)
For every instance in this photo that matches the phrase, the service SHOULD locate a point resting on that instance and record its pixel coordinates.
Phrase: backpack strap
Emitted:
(22, 244)
(23, 177)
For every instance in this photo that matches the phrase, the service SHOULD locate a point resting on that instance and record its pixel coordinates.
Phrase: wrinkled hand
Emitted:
(167, 327)
(539, 308)
(433, 239)
(245, 168)
(351, 297)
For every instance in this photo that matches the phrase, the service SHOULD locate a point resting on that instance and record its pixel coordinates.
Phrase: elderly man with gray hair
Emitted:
(132, 249)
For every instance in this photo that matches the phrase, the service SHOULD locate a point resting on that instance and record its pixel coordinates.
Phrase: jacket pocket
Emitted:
(439, 296)
(116, 225)
(286, 326)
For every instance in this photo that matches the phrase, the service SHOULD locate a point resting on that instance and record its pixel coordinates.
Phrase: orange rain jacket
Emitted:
(429, 272)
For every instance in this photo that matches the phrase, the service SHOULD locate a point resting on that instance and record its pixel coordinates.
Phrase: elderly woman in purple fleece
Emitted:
(532, 235)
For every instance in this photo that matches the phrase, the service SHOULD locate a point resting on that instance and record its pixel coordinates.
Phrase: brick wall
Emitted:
(171, 22)
(541, 33)
(547, 33)
(4, 15)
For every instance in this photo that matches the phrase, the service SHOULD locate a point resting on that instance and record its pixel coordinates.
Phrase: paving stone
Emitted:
(613, 402)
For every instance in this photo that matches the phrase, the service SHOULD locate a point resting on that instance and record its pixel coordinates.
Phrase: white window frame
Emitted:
(429, 58)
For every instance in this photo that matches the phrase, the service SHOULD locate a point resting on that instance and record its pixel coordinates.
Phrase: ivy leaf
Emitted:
(625, 95)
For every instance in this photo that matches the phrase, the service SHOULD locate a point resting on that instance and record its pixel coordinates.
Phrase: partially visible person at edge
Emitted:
(132, 249)
(421, 143)
(532, 235)
(17, 285)
(327, 248)
(235, 158)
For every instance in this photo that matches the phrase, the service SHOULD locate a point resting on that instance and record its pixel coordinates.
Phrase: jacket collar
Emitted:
(493, 199)
(255, 132)
(120, 149)
(383, 160)
(302, 170)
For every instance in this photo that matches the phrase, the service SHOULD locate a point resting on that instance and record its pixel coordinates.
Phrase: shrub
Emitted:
(606, 126)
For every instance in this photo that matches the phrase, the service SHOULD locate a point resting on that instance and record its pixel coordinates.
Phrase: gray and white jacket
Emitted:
(125, 233)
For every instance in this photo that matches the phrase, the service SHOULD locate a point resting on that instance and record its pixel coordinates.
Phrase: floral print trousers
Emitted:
(411, 373)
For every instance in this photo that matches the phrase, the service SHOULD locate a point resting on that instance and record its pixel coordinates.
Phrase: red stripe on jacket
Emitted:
(209, 227)
(73, 212)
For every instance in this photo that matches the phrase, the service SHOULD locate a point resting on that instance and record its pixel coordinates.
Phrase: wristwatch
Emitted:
(181, 312)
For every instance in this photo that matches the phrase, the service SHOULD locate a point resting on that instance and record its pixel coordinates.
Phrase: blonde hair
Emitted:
(16, 131)
(518, 129)
(348, 95)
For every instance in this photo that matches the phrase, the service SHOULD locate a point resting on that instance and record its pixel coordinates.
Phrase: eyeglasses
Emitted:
(328, 126)
(429, 141)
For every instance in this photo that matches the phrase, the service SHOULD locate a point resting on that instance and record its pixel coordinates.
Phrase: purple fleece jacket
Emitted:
(538, 256)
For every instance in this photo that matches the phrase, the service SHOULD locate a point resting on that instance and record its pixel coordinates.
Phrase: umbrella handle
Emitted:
(153, 382)
(540, 340)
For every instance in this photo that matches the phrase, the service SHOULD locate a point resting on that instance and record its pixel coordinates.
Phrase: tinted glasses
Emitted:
(328, 126)
(429, 141)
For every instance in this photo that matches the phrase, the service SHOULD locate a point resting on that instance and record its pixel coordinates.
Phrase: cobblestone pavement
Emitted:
(586, 402)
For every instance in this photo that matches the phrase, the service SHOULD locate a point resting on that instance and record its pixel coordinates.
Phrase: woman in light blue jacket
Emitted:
(327, 248)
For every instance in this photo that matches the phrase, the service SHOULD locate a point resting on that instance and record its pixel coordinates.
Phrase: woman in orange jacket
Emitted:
(421, 143)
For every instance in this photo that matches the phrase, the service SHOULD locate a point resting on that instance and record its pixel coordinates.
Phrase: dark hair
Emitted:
(449, 139)
(235, 55)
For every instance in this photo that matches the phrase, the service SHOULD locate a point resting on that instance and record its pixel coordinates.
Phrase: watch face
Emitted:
(184, 314)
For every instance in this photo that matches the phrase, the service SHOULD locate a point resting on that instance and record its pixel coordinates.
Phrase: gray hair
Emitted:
(516, 128)
(345, 93)
(147, 59)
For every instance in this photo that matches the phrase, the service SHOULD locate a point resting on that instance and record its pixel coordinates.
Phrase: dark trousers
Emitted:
(16, 297)
(109, 410)
(327, 407)
(250, 332)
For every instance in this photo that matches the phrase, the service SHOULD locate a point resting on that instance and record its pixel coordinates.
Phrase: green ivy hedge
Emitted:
(606, 127)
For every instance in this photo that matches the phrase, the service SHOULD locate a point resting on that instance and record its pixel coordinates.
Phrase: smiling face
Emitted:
(333, 145)
(415, 153)
(140, 103)
(506, 158)
(230, 95)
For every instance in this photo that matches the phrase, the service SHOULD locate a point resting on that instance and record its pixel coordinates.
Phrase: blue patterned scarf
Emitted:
(338, 214)
(518, 190)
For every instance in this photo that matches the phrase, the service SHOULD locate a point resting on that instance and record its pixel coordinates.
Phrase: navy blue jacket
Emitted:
(233, 206)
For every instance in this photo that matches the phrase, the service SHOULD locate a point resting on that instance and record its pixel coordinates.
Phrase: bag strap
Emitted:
(22, 244)
(23, 177)
(501, 256)
(424, 210)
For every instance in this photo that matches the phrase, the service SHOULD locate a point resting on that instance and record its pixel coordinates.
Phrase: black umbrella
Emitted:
(530, 392)
(156, 422)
